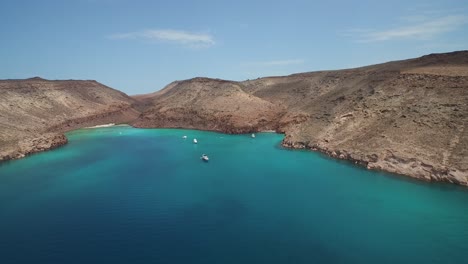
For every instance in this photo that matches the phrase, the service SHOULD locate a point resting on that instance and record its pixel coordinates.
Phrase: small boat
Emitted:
(195, 141)
(184, 137)
(204, 157)
(253, 135)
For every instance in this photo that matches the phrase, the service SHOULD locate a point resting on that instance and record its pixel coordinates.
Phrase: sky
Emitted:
(139, 46)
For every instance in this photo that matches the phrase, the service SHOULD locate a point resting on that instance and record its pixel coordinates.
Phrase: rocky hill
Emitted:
(407, 117)
(35, 112)
(209, 104)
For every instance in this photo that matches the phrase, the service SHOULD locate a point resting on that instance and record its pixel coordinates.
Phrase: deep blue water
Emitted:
(125, 195)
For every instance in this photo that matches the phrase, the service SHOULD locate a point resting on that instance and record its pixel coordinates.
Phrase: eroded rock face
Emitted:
(27, 146)
(409, 166)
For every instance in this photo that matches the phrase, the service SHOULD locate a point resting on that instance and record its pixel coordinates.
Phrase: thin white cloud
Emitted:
(420, 27)
(277, 63)
(169, 35)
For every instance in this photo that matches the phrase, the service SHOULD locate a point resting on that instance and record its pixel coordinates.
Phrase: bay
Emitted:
(126, 195)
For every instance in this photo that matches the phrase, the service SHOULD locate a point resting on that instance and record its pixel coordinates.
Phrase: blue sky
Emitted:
(140, 46)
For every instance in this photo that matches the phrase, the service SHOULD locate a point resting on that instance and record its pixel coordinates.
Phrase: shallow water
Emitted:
(125, 195)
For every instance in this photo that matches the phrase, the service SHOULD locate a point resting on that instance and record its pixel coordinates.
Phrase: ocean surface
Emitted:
(125, 195)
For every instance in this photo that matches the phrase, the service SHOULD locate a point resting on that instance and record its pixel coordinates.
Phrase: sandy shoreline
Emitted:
(100, 126)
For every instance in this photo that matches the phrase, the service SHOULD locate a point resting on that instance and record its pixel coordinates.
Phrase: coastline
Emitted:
(391, 163)
(368, 115)
(27, 146)
(408, 167)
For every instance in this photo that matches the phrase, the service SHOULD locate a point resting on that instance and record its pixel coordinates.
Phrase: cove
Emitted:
(126, 195)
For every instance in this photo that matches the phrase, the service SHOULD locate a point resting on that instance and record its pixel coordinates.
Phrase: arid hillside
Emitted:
(407, 117)
(208, 104)
(34, 112)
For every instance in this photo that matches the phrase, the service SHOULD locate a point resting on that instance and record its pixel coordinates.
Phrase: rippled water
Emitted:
(125, 195)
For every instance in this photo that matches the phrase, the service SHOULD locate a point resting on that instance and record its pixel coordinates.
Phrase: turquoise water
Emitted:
(125, 195)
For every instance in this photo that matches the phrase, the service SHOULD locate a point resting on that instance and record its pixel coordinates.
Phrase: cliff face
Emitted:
(35, 112)
(407, 117)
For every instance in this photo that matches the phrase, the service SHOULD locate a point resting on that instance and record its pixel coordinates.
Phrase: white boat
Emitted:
(253, 135)
(204, 157)
(195, 141)
(184, 137)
